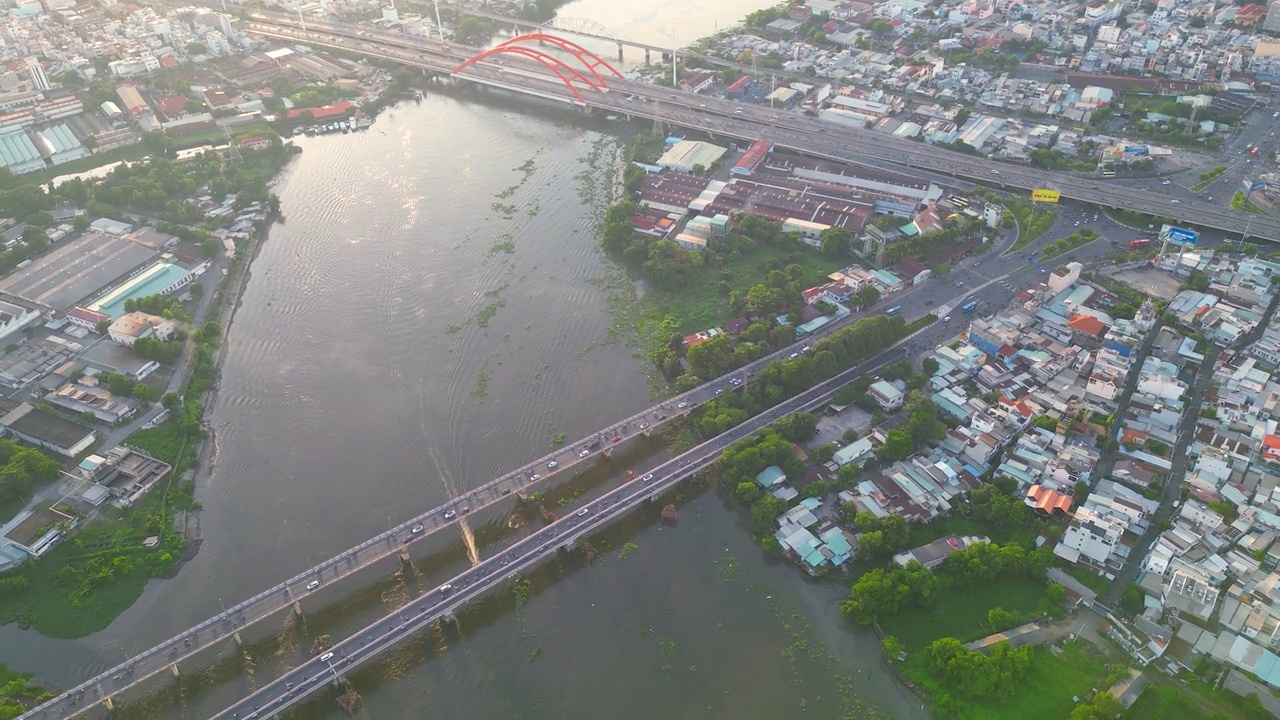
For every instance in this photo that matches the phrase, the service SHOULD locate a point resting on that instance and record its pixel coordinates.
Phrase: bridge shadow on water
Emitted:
(269, 649)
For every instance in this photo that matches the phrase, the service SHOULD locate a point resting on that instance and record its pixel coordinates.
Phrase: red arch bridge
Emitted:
(583, 71)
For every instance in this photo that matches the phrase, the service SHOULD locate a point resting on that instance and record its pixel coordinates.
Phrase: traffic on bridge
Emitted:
(316, 674)
(795, 131)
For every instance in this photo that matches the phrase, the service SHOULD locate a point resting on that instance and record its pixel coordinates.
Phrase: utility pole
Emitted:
(675, 62)
(301, 20)
(439, 25)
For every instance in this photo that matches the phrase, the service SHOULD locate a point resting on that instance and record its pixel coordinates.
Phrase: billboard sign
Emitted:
(1179, 236)
(1258, 185)
(1246, 185)
(1049, 196)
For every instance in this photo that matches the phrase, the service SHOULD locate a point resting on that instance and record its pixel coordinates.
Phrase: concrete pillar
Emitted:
(619, 52)
(297, 608)
(404, 556)
(646, 56)
(174, 669)
(110, 705)
(236, 635)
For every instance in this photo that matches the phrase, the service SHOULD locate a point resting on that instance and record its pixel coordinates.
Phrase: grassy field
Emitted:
(1166, 700)
(1048, 692)
(85, 164)
(702, 305)
(963, 615)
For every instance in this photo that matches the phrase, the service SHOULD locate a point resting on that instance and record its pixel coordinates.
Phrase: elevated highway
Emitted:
(226, 626)
(808, 135)
(316, 674)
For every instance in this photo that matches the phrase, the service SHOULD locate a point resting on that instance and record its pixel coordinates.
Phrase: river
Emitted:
(433, 311)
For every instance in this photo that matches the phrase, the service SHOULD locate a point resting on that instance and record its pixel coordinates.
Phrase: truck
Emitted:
(893, 310)
(969, 306)
(1140, 243)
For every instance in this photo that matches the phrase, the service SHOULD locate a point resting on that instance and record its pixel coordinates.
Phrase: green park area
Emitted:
(1038, 682)
(1194, 699)
(966, 616)
(705, 305)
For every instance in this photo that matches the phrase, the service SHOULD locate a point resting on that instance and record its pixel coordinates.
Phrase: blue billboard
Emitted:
(1179, 236)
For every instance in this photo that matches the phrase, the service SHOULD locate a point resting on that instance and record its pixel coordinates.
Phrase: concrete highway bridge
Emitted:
(524, 67)
(553, 68)
(443, 603)
(167, 656)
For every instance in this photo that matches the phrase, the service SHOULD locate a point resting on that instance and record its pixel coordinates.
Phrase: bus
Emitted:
(969, 306)
(1108, 173)
(959, 202)
(893, 310)
(1139, 243)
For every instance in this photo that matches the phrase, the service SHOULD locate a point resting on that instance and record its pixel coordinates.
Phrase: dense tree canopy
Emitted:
(21, 468)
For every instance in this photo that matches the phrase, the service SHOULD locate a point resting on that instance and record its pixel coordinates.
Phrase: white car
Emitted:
(449, 514)
(946, 319)
(583, 512)
(682, 405)
(535, 476)
(313, 584)
(583, 453)
(552, 465)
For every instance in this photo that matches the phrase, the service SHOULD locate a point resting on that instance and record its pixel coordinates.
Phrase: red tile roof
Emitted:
(1087, 324)
(320, 113)
(1047, 500)
(172, 106)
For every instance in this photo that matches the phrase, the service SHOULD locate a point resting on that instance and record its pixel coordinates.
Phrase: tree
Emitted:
(171, 401)
(835, 241)
(81, 223)
(999, 619)
(748, 492)
(1055, 593)
(898, 445)
(797, 427)
(929, 366)
(869, 295)
(102, 327)
(893, 647)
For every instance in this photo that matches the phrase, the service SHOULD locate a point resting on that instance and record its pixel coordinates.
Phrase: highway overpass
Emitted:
(794, 131)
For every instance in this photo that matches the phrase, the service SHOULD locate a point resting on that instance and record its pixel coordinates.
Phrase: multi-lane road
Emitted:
(316, 674)
(791, 130)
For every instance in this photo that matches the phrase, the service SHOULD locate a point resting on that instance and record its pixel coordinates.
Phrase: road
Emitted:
(1107, 458)
(804, 134)
(314, 675)
(998, 278)
(215, 630)
(1173, 485)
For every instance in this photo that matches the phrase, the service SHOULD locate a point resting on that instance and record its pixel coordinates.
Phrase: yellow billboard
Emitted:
(1049, 196)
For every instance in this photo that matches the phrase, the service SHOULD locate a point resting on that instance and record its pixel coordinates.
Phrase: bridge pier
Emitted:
(110, 705)
(619, 52)
(235, 636)
(297, 608)
(178, 673)
(646, 56)
(404, 556)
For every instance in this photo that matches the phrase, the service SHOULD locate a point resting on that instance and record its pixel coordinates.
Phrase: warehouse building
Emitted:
(685, 155)
(46, 430)
(161, 278)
